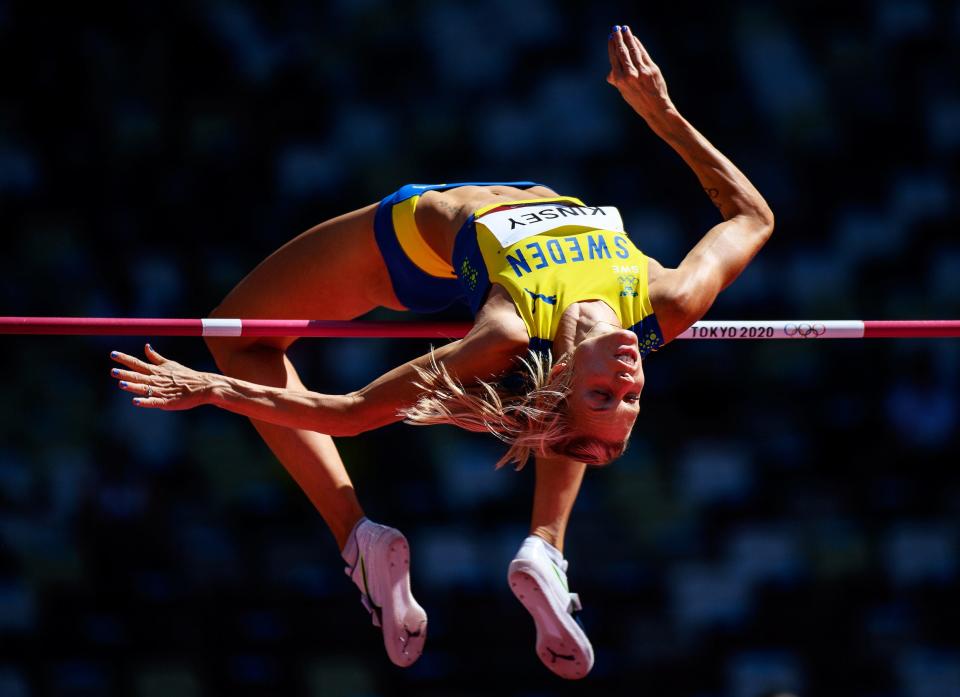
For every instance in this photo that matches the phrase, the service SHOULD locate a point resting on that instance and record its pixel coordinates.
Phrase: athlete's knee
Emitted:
(246, 356)
(220, 348)
(256, 359)
(225, 350)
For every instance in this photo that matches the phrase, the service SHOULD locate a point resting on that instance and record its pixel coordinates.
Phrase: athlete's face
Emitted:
(606, 383)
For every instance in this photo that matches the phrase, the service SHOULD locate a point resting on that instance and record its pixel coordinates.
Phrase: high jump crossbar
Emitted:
(730, 329)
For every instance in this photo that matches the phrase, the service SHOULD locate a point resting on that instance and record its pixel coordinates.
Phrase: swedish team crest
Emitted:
(628, 286)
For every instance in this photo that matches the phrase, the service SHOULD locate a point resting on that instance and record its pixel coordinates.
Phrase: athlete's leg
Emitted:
(557, 484)
(332, 271)
(310, 458)
(538, 573)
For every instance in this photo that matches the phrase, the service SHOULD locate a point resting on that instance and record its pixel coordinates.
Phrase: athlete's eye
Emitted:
(600, 395)
(632, 398)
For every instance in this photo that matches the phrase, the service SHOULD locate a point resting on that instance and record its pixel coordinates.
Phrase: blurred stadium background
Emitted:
(787, 516)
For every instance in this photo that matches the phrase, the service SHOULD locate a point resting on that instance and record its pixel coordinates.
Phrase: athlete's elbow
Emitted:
(755, 227)
(767, 221)
(762, 217)
(342, 417)
(356, 415)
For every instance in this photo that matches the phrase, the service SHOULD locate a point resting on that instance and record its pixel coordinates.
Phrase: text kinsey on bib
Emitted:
(515, 224)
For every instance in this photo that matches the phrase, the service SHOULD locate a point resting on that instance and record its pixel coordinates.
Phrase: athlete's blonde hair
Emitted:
(532, 421)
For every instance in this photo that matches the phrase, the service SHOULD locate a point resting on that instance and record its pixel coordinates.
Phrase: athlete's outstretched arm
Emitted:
(160, 383)
(165, 384)
(681, 296)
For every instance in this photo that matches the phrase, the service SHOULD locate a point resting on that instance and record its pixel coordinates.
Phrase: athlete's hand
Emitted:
(636, 76)
(161, 384)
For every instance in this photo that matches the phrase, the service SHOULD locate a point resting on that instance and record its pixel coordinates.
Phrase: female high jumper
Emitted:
(545, 276)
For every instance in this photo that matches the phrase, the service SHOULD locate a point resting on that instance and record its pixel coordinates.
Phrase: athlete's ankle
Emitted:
(551, 541)
(349, 550)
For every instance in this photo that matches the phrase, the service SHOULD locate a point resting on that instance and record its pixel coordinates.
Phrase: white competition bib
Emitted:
(516, 224)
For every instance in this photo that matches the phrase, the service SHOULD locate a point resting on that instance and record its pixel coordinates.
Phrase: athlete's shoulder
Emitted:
(670, 299)
(499, 322)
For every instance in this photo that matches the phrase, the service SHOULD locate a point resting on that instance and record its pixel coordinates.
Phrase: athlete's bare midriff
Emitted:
(441, 214)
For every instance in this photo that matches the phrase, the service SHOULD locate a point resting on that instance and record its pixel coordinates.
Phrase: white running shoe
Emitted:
(382, 573)
(540, 584)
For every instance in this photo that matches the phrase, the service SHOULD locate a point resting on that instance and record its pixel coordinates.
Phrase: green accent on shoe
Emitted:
(560, 576)
(363, 574)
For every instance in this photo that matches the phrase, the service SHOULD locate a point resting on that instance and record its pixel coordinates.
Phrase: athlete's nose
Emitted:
(621, 371)
(625, 381)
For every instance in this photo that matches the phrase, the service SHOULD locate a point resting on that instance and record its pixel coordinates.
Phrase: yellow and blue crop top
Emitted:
(551, 253)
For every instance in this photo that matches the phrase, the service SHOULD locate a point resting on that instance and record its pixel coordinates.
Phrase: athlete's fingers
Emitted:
(634, 49)
(129, 375)
(153, 356)
(138, 388)
(132, 363)
(616, 70)
(645, 58)
(150, 403)
(623, 55)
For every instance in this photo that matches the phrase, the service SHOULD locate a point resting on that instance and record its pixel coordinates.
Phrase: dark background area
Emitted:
(787, 515)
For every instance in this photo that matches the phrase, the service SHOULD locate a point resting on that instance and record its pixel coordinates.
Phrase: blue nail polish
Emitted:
(113, 354)
(115, 372)
(626, 28)
(137, 402)
(616, 27)
(150, 347)
(123, 384)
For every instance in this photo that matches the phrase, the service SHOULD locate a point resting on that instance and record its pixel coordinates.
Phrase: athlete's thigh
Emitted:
(332, 271)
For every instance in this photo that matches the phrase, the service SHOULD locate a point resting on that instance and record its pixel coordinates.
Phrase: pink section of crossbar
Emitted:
(110, 326)
(906, 329)
(359, 329)
(753, 329)
(121, 326)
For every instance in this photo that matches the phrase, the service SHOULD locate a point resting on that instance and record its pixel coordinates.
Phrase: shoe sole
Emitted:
(561, 644)
(403, 621)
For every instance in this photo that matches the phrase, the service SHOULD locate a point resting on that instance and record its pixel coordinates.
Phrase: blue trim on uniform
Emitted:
(470, 267)
(541, 346)
(647, 330)
(415, 289)
(649, 335)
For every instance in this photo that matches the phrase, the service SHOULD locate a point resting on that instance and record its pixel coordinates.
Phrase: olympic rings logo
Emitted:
(805, 331)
